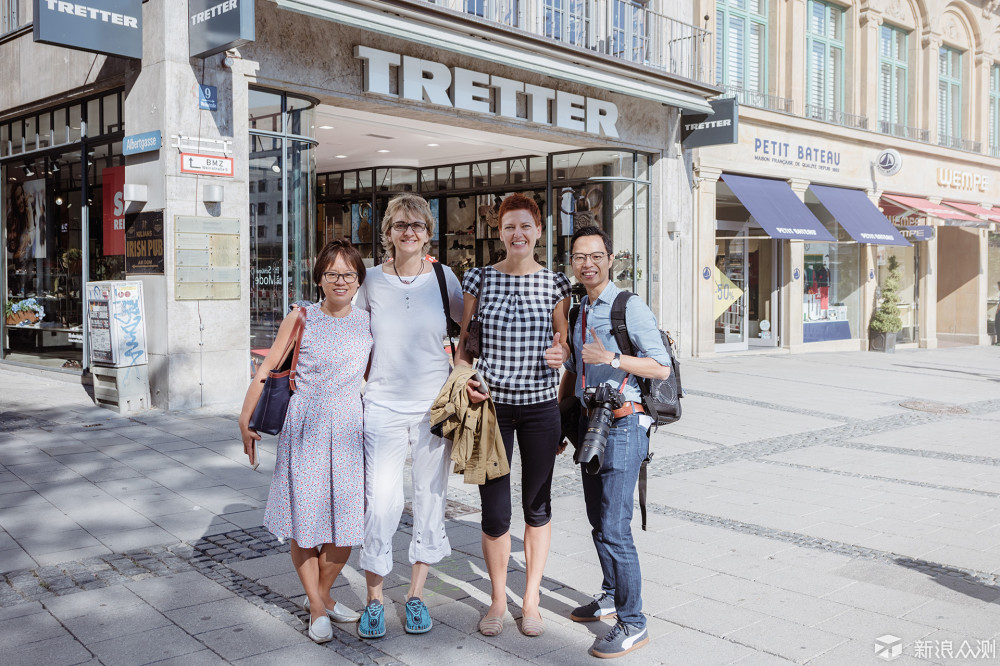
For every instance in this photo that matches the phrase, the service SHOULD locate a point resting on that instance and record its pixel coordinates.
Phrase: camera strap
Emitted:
(583, 364)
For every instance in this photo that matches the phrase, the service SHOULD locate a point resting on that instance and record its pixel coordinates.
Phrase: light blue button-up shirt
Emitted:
(642, 331)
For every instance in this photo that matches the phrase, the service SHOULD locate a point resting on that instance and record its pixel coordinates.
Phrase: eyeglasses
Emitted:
(403, 226)
(580, 257)
(349, 278)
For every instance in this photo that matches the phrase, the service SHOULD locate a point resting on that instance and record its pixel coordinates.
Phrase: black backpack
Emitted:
(661, 398)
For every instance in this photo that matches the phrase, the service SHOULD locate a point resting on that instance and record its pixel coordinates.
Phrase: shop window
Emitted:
(892, 81)
(949, 97)
(994, 117)
(831, 308)
(825, 62)
(741, 49)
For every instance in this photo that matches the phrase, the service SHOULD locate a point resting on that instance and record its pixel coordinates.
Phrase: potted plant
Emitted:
(26, 311)
(886, 322)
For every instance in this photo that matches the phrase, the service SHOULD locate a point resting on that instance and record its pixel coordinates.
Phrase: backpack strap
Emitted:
(450, 324)
(620, 330)
(574, 314)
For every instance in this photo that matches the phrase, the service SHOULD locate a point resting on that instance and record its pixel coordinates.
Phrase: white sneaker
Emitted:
(321, 630)
(339, 613)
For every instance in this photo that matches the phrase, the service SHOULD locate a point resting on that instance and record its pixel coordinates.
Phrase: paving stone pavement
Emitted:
(804, 508)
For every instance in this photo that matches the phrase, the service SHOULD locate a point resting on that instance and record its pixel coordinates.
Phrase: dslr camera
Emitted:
(601, 401)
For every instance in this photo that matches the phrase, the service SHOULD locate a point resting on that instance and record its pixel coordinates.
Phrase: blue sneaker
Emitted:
(372, 623)
(418, 618)
(622, 639)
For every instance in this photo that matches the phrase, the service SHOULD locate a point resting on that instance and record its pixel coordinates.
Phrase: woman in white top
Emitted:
(409, 367)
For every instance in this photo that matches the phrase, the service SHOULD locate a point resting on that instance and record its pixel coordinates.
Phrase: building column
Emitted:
(703, 296)
(793, 282)
(866, 67)
(793, 54)
(979, 98)
(926, 111)
(928, 293)
(198, 349)
(869, 277)
(983, 286)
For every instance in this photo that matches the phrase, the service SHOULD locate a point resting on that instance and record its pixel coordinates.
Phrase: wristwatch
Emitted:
(616, 362)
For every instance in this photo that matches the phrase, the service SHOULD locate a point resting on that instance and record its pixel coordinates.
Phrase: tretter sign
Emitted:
(428, 81)
(217, 25)
(112, 27)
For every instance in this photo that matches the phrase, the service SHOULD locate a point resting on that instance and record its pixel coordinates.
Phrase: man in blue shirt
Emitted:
(608, 494)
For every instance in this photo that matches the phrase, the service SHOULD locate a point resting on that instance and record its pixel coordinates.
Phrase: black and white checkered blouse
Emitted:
(516, 314)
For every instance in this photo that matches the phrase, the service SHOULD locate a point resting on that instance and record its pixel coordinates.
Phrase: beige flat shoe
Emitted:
(491, 626)
(532, 626)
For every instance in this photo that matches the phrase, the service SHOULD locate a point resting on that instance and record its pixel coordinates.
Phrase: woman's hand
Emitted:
(249, 437)
(557, 354)
(474, 395)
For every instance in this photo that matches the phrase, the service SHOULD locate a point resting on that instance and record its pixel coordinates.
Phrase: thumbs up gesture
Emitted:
(556, 355)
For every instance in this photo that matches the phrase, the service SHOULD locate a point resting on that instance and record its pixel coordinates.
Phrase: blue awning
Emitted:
(776, 208)
(858, 215)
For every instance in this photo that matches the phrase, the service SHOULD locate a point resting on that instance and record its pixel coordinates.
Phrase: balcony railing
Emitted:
(617, 28)
(8, 16)
(759, 99)
(994, 151)
(904, 131)
(958, 143)
(836, 117)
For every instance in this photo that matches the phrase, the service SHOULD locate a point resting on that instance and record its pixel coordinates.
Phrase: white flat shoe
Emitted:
(339, 613)
(321, 630)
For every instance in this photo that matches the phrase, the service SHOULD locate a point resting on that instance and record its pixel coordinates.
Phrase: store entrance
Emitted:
(746, 293)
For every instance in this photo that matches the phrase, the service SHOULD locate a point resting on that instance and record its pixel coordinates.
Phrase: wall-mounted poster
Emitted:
(361, 223)
(34, 236)
(435, 214)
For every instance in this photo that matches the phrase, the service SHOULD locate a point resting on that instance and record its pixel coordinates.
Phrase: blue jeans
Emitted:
(608, 495)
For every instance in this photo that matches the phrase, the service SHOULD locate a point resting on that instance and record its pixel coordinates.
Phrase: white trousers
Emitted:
(388, 436)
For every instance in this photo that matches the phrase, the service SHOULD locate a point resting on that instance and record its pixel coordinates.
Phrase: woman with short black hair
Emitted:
(317, 495)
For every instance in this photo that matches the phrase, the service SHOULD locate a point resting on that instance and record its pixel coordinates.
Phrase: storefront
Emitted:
(279, 131)
(795, 230)
(61, 168)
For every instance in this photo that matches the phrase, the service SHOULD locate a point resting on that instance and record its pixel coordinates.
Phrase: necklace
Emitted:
(410, 281)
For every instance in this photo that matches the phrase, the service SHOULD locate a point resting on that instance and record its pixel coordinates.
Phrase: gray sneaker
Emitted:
(602, 606)
(622, 639)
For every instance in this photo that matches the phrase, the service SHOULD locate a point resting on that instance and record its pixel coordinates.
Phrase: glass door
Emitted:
(730, 294)
(762, 292)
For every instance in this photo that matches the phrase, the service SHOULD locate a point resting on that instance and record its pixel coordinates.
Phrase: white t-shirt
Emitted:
(409, 361)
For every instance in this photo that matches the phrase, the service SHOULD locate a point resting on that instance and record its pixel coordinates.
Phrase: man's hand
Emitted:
(556, 355)
(594, 353)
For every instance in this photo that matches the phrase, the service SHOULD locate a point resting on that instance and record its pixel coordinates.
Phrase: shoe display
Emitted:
(418, 618)
(372, 624)
(339, 612)
(602, 606)
(622, 639)
(320, 630)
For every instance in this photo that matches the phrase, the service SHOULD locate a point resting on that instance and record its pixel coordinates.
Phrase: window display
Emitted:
(59, 173)
(831, 298)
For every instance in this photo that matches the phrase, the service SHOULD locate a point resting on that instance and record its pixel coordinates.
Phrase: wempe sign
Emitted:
(112, 27)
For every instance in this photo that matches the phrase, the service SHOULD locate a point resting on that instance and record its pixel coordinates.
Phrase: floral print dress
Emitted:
(317, 493)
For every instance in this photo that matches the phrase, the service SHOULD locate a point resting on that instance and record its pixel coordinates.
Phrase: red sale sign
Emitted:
(114, 210)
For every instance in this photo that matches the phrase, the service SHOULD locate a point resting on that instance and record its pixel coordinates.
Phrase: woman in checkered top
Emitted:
(523, 315)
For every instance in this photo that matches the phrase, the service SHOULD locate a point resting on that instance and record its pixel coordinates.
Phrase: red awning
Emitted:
(991, 215)
(902, 206)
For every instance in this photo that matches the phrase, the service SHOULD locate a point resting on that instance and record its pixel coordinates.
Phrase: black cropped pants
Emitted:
(538, 429)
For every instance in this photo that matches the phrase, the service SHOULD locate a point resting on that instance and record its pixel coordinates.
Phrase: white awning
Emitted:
(440, 37)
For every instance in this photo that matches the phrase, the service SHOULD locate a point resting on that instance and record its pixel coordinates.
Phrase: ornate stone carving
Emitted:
(895, 9)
